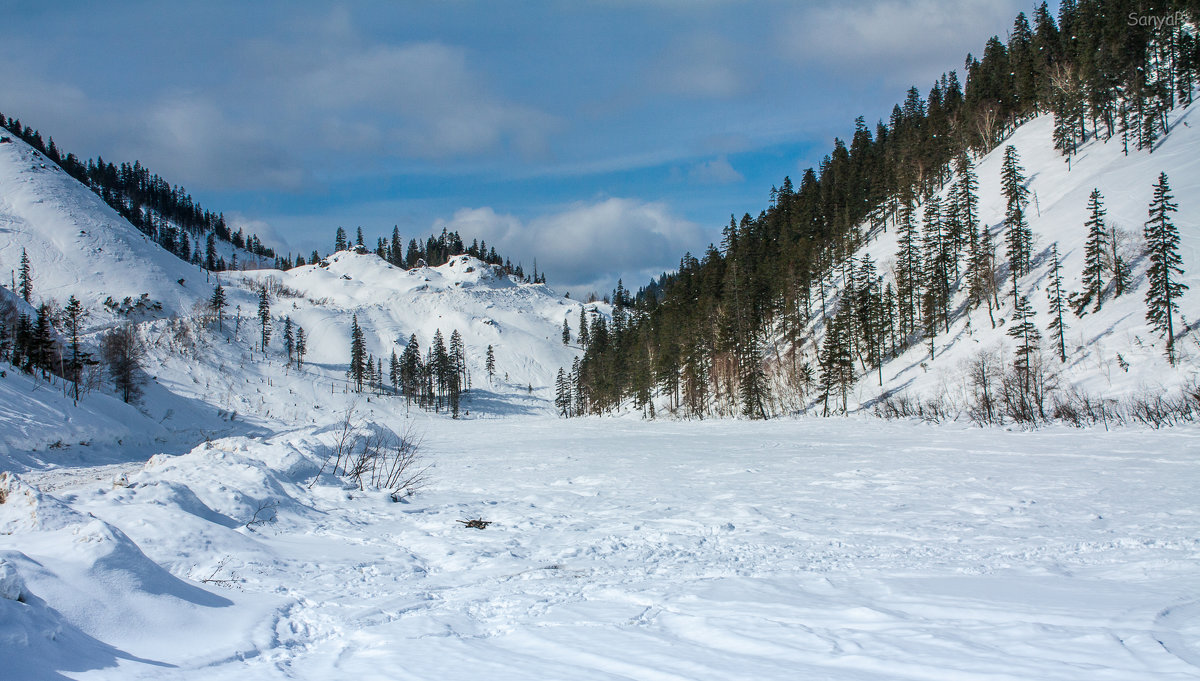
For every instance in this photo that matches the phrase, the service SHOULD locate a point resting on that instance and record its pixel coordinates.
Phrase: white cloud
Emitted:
(589, 245)
(716, 171)
(903, 39)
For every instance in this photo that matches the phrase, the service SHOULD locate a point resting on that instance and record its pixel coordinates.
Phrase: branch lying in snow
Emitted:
(479, 523)
(265, 514)
(230, 582)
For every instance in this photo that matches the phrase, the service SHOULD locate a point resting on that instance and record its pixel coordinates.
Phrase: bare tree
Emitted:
(123, 354)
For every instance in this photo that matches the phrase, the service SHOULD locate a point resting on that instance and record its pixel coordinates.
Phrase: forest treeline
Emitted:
(707, 336)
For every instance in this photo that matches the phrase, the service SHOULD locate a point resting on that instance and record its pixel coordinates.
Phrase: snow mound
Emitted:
(11, 584)
(23, 508)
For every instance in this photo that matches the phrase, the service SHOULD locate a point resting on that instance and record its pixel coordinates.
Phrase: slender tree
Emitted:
(217, 303)
(289, 338)
(25, 280)
(264, 317)
(1019, 237)
(357, 371)
(566, 333)
(73, 317)
(1054, 292)
(1166, 265)
(1093, 255)
(301, 346)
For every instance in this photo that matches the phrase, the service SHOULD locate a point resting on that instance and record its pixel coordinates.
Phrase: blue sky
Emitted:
(602, 138)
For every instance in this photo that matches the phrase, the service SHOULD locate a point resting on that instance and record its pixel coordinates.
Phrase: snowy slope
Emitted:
(523, 322)
(1057, 211)
(78, 245)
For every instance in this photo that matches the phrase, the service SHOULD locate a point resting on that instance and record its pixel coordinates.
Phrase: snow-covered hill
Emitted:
(204, 382)
(1111, 353)
(78, 245)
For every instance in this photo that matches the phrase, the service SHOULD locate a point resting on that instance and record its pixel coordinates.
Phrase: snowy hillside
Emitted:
(523, 322)
(78, 245)
(1056, 214)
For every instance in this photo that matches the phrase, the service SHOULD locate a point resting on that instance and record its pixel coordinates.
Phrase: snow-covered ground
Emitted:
(832, 549)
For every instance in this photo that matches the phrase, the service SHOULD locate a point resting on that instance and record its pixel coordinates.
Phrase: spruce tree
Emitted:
(73, 317)
(584, 333)
(1093, 255)
(339, 240)
(752, 382)
(1166, 265)
(1054, 292)
(210, 253)
(908, 267)
(25, 279)
(562, 394)
(217, 304)
(1024, 330)
(490, 362)
(289, 338)
(264, 317)
(301, 346)
(357, 371)
(1019, 237)
(566, 333)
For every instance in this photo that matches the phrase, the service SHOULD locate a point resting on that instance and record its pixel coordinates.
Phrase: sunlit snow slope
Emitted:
(1057, 211)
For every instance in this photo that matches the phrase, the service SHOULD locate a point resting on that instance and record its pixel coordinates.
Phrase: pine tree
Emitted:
(836, 361)
(490, 363)
(301, 347)
(1019, 238)
(394, 372)
(339, 241)
(1093, 255)
(584, 334)
(566, 333)
(42, 350)
(73, 318)
(752, 382)
(357, 371)
(1162, 250)
(966, 204)
(289, 338)
(1054, 292)
(210, 252)
(908, 267)
(217, 304)
(264, 317)
(1024, 330)
(25, 281)
(358, 241)
(562, 394)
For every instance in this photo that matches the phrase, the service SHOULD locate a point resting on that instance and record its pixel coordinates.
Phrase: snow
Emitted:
(839, 548)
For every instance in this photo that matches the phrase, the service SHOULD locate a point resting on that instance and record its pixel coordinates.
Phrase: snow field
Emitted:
(833, 549)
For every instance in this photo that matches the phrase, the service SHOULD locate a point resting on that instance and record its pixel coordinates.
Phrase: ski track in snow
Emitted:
(837, 549)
